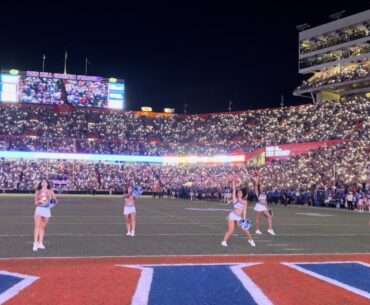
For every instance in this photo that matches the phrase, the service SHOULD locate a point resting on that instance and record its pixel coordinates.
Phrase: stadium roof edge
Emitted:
(334, 25)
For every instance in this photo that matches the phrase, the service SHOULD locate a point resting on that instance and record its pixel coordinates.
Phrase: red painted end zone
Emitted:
(100, 281)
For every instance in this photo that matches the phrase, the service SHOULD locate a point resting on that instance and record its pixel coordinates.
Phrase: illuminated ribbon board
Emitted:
(204, 159)
(83, 157)
(121, 158)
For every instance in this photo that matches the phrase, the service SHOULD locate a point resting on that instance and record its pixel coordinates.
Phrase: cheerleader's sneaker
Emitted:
(252, 243)
(35, 247)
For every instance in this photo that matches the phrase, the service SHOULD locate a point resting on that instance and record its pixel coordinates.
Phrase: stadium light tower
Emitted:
(230, 103)
(185, 108)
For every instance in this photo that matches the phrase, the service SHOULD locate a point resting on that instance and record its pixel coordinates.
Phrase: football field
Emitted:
(176, 255)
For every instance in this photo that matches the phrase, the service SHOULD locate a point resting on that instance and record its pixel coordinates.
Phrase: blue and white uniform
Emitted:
(260, 205)
(360, 198)
(232, 216)
(42, 211)
(129, 207)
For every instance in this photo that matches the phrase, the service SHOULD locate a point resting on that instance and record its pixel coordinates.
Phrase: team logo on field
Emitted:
(352, 276)
(197, 284)
(12, 283)
(267, 280)
(230, 283)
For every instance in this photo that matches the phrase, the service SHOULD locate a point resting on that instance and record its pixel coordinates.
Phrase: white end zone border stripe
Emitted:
(249, 285)
(330, 280)
(141, 296)
(14, 290)
(261, 255)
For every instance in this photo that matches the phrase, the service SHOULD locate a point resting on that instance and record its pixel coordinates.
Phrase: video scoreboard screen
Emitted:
(34, 87)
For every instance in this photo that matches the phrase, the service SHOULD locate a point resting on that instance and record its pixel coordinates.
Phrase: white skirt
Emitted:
(43, 212)
(233, 216)
(129, 210)
(260, 207)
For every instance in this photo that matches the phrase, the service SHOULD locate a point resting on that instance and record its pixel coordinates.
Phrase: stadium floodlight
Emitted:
(302, 27)
(169, 110)
(113, 80)
(14, 71)
(146, 109)
(337, 15)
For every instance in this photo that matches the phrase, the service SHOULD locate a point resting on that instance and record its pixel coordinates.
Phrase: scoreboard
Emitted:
(8, 88)
(35, 87)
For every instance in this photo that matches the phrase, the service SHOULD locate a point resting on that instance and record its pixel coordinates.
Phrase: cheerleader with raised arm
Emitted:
(238, 215)
(262, 208)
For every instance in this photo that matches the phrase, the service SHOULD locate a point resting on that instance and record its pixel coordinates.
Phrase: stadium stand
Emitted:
(297, 179)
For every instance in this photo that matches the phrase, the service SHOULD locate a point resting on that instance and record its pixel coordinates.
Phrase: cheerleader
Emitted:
(129, 211)
(262, 208)
(361, 197)
(238, 213)
(43, 195)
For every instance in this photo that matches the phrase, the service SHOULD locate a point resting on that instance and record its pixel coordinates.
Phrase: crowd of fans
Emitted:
(339, 167)
(41, 128)
(40, 90)
(335, 38)
(333, 170)
(87, 93)
(348, 74)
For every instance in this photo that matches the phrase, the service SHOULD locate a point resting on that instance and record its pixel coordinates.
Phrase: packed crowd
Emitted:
(335, 55)
(87, 93)
(333, 170)
(348, 74)
(39, 128)
(40, 90)
(336, 38)
(344, 166)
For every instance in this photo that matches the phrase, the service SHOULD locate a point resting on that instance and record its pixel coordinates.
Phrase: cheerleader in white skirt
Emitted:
(43, 195)
(129, 211)
(238, 214)
(262, 208)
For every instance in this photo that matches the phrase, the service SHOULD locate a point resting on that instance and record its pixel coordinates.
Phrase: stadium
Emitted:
(308, 166)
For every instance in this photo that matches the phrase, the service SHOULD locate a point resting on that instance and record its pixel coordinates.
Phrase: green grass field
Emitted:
(93, 226)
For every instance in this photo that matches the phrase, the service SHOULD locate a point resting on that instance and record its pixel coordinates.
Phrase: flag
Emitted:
(87, 61)
(65, 61)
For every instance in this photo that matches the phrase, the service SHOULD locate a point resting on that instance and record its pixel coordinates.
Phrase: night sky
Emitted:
(203, 54)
